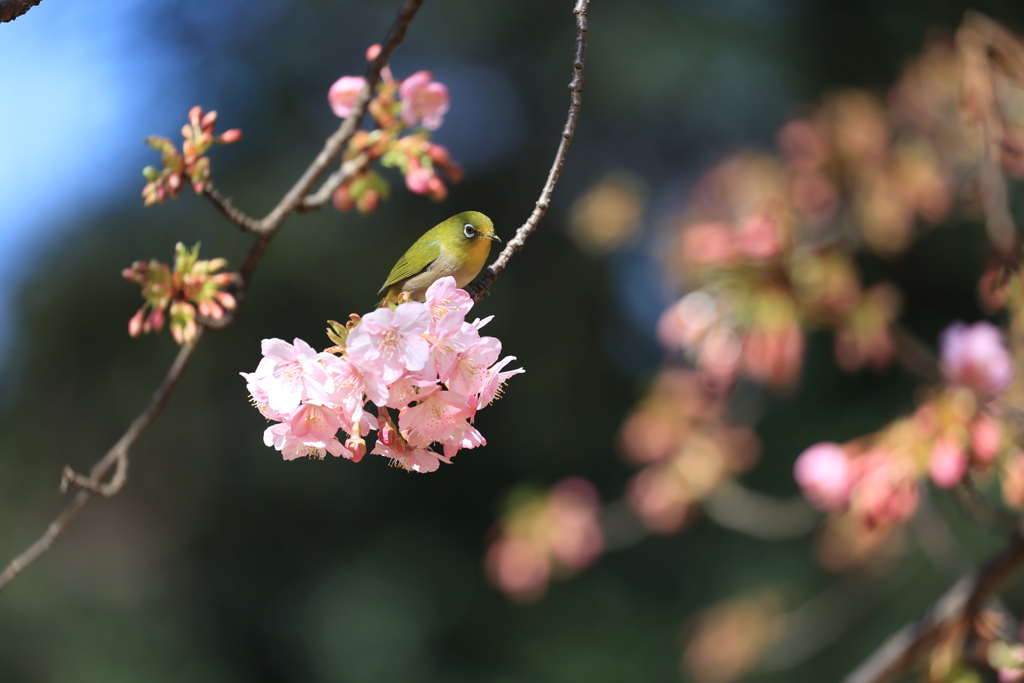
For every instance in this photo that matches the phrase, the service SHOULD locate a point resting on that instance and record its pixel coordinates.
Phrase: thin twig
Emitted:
(957, 608)
(349, 169)
(230, 211)
(12, 9)
(265, 230)
(117, 454)
(478, 288)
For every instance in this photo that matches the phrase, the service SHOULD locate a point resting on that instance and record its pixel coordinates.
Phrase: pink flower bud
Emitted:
(357, 446)
(135, 323)
(227, 300)
(209, 120)
(343, 93)
(194, 115)
(438, 154)
(436, 189)
(342, 199)
(368, 201)
(417, 179)
(230, 136)
(986, 439)
(155, 321)
(372, 52)
(948, 464)
(824, 474)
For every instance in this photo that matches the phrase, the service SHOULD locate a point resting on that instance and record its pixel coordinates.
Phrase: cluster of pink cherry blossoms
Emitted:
(421, 360)
(952, 433)
(405, 112)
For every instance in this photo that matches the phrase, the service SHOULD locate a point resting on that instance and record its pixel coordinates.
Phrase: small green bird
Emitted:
(458, 247)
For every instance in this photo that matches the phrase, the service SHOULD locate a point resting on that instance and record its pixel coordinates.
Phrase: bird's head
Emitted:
(472, 227)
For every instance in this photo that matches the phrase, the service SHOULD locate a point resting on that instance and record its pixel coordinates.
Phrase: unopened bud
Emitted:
(135, 323)
(155, 320)
(436, 189)
(372, 52)
(194, 114)
(438, 154)
(230, 136)
(227, 300)
(368, 201)
(209, 120)
(342, 199)
(356, 445)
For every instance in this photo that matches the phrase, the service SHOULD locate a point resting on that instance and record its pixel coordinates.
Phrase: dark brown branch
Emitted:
(230, 211)
(957, 608)
(116, 455)
(265, 230)
(12, 9)
(479, 287)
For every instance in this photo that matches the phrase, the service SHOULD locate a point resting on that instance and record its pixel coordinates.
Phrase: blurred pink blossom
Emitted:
(886, 490)
(825, 476)
(685, 322)
(576, 539)
(660, 498)
(986, 438)
(709, 244)
(556, 533)
(758, 238)
(976, 356)
(423, 100)
(518, 568)
(417, 179)
(948, 464)
(343, 93)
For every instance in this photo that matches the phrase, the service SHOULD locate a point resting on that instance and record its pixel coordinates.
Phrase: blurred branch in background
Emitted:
(265, 229)
(12, 9)
(953, 611)
(755, 514)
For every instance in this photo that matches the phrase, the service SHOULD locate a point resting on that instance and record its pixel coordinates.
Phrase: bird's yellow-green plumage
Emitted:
(458, 247)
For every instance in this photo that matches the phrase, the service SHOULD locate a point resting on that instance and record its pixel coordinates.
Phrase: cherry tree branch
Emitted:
(478, 288)
(293, 200)
(957, 608)
(12, 9)
(265, 229)
(117, 455)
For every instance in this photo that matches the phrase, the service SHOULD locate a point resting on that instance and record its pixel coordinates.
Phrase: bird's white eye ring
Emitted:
(468, 230)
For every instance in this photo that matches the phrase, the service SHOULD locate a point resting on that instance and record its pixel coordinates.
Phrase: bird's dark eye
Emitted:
(468, 230)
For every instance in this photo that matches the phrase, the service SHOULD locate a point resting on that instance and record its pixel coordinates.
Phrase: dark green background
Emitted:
(220, 562)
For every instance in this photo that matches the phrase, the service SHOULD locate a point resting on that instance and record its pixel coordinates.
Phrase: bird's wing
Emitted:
(408, 266)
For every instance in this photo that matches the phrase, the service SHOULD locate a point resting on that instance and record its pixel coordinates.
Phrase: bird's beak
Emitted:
(493, 237)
